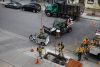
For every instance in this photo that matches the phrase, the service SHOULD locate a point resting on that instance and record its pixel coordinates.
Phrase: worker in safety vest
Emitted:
(40, 50)
(94, 42)
(60, 49)
(80, 51)
(85, 43)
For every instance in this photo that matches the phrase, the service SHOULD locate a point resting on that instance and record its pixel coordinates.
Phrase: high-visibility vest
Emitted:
(80, 49)
(40, 49)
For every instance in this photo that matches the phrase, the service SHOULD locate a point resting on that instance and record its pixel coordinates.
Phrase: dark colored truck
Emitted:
(61, 9)
(61, 25)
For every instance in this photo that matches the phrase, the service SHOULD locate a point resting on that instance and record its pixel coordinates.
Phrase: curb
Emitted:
(90, 17)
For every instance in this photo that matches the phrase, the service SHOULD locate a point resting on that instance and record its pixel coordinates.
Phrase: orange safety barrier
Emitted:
(73, 63)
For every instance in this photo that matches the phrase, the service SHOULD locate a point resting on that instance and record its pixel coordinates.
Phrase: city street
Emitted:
(17, 25)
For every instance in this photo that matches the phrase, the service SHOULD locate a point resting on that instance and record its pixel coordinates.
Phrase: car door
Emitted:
(32, 7)
(29, 7)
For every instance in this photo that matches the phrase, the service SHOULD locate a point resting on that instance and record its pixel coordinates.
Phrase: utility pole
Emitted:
(94, 8)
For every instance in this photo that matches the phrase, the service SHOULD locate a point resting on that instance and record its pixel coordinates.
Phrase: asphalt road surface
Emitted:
(23, 23)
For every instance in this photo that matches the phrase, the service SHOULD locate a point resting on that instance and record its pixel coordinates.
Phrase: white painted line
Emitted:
(14, 34)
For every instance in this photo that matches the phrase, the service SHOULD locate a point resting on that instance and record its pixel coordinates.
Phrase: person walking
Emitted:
(40, 50)
(61, 47)
(85, 43)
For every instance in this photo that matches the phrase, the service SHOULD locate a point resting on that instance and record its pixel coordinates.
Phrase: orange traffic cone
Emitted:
(38, 61)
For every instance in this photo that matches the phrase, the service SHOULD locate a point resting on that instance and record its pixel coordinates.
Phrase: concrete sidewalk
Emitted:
(25, 58)
(15, 52)
(90, 17)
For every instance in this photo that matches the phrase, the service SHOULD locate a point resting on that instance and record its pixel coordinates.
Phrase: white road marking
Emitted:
(12, 35)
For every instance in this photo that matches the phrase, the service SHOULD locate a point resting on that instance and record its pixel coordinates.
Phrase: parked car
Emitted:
(13, 5)
(34, 7)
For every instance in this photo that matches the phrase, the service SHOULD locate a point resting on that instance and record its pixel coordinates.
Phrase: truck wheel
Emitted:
(48, 14)
(42, 43)
(69, 30)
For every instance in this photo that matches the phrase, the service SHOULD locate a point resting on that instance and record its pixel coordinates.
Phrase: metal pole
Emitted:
(42, 16)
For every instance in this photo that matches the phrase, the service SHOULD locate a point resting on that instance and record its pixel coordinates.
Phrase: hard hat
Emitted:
(85, 37)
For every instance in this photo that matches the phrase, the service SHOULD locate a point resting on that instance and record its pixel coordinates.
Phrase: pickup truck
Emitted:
(42, 39)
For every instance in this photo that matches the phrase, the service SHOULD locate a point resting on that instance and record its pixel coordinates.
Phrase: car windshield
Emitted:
(16, 3)
(42, 36)
(31, 3)
(59, 24)
(9, 3)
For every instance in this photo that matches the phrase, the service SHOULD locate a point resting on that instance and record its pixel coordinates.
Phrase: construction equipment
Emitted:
(41, 38)
(62, 9)
(95, 49)
(61, 25)
(63, 61)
